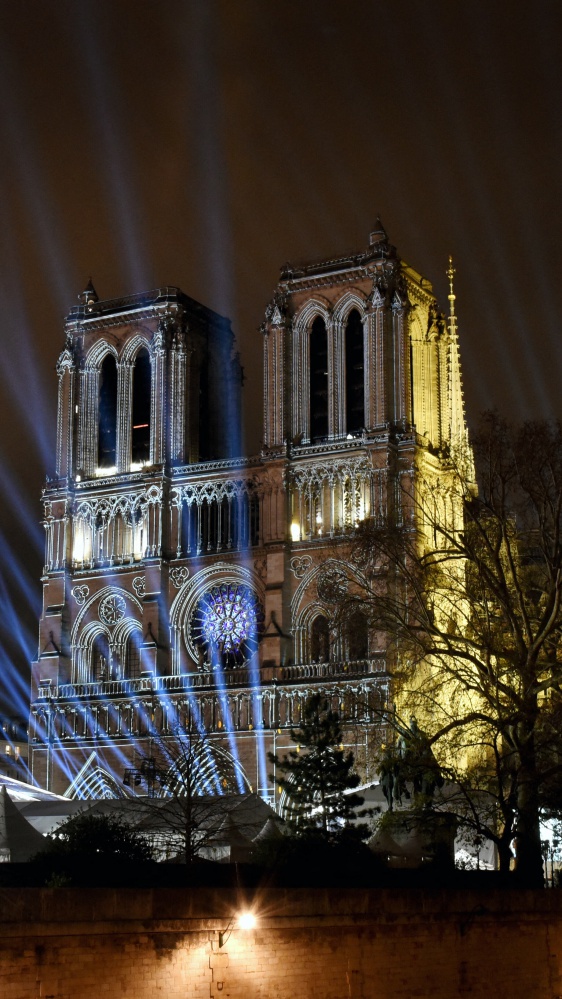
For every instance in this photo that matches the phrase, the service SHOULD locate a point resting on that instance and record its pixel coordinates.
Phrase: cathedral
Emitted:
(186, 588)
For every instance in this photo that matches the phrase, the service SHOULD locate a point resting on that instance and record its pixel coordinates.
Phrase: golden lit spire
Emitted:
(458, 432)
(452, 296)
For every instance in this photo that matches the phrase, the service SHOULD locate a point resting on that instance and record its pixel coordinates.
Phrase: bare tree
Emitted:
(465, 585)
(191, 791)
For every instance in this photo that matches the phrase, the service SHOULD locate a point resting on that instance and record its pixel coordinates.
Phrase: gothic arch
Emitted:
(86, 628)
(65, 361)
(188, 597)
(96, 782)
(346, 303)
(350, 571)
(83, 652)
(218, 772)
(318, 638)
(309, 613)
(124, 629)
(305, 606)
(217, 516)
(98, 352)
(126, 632)
(117, 644)
(313, 309)
(354, 363)
(107, 403)
(107, 531)
(85, 610)
(140, 341)
(140, 409)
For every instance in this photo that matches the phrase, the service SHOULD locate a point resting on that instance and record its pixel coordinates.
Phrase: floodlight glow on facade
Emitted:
(245, 920)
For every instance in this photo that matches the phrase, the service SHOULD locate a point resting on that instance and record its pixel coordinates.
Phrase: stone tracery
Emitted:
(329, 498)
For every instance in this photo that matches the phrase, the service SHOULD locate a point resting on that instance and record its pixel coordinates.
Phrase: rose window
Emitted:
(113, 609)
(227, 624)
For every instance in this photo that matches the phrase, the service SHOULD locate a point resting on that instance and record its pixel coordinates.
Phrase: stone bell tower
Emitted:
(147, 385)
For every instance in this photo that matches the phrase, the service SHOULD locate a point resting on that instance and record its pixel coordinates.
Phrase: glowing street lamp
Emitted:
(241, 921)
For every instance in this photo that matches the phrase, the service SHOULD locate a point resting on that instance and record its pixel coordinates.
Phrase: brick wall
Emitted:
(314, 944)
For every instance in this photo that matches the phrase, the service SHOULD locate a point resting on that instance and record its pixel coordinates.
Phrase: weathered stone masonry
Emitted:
(319, 944)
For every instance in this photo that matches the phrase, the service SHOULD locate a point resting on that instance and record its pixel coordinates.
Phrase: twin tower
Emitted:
(186, 587)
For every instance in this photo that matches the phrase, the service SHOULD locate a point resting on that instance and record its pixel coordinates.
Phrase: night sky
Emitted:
(202, 144)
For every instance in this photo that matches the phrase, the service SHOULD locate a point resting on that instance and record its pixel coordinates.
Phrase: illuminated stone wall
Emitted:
(70, 944)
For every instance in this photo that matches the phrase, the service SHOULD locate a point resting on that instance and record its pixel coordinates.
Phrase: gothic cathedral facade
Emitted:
(187, 588)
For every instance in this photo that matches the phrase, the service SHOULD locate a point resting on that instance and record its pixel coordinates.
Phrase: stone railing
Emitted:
(296, 673)
(321, 671)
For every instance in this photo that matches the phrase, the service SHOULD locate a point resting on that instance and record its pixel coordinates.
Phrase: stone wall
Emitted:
(308, 944)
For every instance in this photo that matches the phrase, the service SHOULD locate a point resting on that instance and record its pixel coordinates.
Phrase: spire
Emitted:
(89, 296)
(458, 431)
(452, 296)
(378, 235)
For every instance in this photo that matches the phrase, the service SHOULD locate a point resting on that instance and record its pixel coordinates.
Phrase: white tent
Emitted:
(19, 841)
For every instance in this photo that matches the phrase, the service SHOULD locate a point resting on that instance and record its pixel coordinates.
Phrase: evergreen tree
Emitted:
(318, 778)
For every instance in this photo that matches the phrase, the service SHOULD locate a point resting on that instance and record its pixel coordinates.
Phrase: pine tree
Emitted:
(318, 778)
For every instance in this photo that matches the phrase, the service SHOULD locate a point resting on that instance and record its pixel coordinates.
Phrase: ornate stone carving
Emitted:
(162, 333)
(353, 467)
(215, 490)
(300, 564)
(275, 311)
(139, 586)
(112, 609)
(378, 296)
(80, 593)
(65, 362)
(332, 584)
(131, 507)
(179, 574)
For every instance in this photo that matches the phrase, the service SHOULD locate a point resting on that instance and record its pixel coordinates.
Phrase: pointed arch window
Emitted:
(101, 659)
(141, 408)
(318, 380)
(107, 431)
(133, 656)
(357, 636)
(320, 640)
(354, 374)
(188, 542)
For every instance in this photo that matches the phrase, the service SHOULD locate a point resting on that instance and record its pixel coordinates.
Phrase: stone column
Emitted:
(66, 372)
(124, 415)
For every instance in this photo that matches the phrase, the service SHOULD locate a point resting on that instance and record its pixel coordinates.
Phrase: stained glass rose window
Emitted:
(228, 623)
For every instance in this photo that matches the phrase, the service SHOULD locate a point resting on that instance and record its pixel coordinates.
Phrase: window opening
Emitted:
(141, 408)
(357, 637)
(133, 657)
(320, 640)
(318, 380)
(107, 436)
(227, 624)
(100, 660)
(354, 373)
